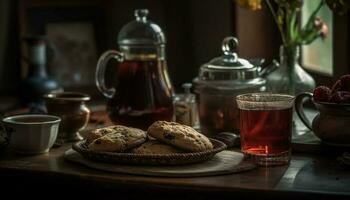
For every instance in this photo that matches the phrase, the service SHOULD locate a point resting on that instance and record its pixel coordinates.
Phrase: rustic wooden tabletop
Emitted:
(309, 176)
(306, 176)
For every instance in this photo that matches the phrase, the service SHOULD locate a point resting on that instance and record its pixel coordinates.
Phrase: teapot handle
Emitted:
(270, 68)
(101, 69)
(299, 108)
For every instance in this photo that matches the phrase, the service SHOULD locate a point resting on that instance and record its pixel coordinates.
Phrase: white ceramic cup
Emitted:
(32, 134)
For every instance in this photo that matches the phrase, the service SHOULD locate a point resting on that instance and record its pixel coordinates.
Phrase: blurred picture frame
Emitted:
(75, 31)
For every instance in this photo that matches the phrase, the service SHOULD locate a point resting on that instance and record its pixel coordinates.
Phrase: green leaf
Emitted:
(311, 37)
(293, 25)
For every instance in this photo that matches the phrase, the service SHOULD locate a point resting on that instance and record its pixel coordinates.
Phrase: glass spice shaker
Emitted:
(186, 107)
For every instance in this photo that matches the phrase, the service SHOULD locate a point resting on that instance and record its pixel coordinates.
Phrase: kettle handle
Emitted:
(101, 69)
(270, 68)
(299, 101)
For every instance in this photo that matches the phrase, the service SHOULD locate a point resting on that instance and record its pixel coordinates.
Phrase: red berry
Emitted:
(336, 98)
(345, 82)
(340, 97)
(322, 94)
(336, 86)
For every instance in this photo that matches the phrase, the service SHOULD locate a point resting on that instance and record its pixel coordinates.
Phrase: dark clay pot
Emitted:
(331, 125)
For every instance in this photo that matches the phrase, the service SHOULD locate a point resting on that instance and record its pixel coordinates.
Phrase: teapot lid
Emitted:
(229, 71)
(141, 31)
(230, 59)
(229, 67)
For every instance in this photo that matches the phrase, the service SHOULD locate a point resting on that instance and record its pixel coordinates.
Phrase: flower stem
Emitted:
(276, 20)
(293, 26)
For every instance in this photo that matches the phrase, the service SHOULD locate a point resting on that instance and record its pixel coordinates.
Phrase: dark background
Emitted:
(194, 30)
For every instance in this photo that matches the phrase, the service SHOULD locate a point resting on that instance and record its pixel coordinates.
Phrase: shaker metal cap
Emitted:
(141, 31)
(230, 59)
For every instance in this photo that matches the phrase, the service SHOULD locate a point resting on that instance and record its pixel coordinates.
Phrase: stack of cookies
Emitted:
(161, 138)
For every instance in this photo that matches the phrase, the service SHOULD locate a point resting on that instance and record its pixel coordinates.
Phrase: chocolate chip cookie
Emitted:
(117, 139)
(155, 147)
(181, 136)
(97, 133)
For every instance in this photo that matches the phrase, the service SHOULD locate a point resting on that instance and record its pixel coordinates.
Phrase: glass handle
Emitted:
(5, 133)
(299, 102)
(101, 69)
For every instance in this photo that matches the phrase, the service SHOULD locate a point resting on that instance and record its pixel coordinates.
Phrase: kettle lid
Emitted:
(229, 60)
(229, 67)
(141, 31)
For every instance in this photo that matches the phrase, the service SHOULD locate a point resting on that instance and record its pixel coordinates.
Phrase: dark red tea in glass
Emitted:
(266, 127)
(266, 132)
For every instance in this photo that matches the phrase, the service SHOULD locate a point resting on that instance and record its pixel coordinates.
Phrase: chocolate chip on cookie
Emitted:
(169, 136)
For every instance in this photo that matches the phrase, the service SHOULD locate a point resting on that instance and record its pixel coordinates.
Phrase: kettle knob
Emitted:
(229, 46)
(141, 14)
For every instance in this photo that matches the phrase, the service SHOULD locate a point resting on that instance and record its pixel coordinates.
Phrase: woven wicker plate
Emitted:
(149, 159)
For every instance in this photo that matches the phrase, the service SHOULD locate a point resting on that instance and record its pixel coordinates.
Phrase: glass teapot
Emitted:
(143, 92)
(219, 82)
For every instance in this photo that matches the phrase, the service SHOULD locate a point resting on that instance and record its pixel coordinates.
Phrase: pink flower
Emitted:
(324, 31)
(321, 27)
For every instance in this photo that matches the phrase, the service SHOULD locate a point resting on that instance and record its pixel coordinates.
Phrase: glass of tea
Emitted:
(266, 127)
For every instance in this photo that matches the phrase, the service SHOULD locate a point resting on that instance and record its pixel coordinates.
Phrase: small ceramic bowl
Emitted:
(31, 134)
(72, 109)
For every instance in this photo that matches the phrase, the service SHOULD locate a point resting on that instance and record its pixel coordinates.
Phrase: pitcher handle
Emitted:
(299, 108)
(101, 69)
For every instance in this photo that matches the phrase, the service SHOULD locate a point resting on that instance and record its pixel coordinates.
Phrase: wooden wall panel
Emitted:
(194, 29)
(257, 33)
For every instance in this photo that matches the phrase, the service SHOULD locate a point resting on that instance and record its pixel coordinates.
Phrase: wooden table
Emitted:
(308, 176)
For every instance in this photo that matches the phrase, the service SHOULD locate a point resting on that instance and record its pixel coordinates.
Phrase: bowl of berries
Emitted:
(332, 123)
